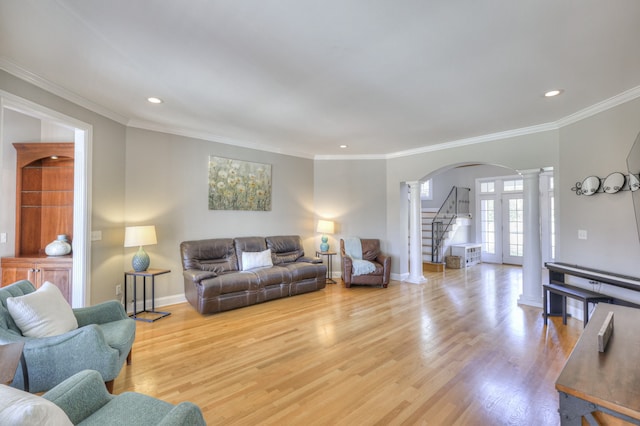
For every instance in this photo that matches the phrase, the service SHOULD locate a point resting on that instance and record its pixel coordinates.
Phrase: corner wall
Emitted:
(598, 146)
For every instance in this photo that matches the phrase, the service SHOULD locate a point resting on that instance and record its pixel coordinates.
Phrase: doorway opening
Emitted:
(82, 138)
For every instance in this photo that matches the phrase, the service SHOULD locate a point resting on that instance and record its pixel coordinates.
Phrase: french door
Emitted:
(512, 228)
(501, 216)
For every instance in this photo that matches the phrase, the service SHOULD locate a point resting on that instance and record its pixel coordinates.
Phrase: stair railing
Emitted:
(456, 204)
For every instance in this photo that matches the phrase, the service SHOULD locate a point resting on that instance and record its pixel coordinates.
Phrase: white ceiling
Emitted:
(302, 77)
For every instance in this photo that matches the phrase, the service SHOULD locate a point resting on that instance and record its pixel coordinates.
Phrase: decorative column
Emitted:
(415, 235)
(532, 261)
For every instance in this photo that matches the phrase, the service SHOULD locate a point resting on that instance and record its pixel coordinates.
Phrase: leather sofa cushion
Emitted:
(229, 283)
(216, 255)
(274, 275)
(301, 271)
(370, 249)
(285, 249)
(248, 244)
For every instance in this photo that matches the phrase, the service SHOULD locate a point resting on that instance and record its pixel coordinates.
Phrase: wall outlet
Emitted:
(3, 237)
(582, 234)
(118, 290)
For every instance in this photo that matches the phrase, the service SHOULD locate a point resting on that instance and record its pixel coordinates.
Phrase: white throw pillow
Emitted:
(43, 313)
(19, 408)
(257, 259)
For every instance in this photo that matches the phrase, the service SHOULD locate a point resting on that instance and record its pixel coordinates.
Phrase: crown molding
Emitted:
(602, 106)
(476, 140)
(68, 95)
(210, 137)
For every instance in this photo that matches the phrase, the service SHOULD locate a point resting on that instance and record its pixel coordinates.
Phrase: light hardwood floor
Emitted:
(457, 350)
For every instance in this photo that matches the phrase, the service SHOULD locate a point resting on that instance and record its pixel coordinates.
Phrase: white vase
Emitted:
(58, 247)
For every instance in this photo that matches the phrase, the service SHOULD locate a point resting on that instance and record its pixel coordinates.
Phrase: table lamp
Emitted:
(325, 227)
(140, 236)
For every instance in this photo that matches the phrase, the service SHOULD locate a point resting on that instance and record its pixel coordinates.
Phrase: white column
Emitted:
(532, 262)
(415, 236)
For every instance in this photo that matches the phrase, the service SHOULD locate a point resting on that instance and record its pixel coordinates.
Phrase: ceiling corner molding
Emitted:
(68, 95)
(351, 157)
(477, 139)
(146, 125)
(607, 104)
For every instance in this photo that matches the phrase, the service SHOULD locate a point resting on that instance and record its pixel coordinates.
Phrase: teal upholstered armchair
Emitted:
(84, 398)
(102, 342)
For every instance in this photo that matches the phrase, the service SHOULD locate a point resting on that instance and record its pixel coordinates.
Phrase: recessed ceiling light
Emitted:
(552, 93)
(344, 146)
(154, 100)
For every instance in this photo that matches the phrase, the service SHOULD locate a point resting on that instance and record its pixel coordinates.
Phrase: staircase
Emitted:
(439, 227)
(427, 234)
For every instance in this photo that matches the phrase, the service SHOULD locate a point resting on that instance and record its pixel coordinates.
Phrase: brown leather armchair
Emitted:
(371, 252)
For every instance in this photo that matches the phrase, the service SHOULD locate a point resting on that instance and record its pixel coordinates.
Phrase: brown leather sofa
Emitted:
(371, 252)
(214, 279)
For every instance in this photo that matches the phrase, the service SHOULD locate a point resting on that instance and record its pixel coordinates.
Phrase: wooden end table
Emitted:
(10, 356)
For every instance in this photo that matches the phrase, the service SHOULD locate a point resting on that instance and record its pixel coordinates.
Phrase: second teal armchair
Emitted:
(102, 342)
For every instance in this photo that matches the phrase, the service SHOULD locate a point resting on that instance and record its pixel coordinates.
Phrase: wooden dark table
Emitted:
(609, 381)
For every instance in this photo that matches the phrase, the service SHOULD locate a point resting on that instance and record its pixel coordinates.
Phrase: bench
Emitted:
(586, 296)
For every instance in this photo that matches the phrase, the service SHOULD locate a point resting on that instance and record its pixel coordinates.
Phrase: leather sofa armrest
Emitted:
(385, 261)
(197, 276)
(309, 259)
(347, 268)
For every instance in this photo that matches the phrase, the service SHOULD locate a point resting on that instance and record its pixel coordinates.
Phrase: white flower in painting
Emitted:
(220, 185)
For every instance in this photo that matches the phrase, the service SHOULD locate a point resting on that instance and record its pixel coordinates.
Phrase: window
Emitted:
(425, 190)
(512, 185)
(487, 187)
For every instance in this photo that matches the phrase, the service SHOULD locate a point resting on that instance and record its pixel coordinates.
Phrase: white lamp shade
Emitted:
(135, 236)
(325, 227)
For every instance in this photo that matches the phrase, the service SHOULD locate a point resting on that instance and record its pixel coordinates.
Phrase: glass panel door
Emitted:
(513, 228)
(489, 229)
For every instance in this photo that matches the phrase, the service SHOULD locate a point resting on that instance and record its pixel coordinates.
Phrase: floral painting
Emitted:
(239, 185)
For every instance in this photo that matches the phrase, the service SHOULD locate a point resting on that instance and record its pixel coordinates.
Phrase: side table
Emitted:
(329, 255)
(149, 273)
(10, 356)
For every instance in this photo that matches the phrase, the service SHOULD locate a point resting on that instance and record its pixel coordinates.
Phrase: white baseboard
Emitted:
(160, 301)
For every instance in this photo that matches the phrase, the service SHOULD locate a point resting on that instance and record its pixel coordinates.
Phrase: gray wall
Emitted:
(16, 127)
(352, 194)
(166, 186)
(598, 146)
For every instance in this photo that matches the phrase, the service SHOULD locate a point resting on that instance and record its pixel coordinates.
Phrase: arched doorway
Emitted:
(467, 174)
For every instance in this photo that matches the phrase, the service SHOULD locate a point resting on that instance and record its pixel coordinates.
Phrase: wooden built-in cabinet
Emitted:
(44, 210)
(57, 270)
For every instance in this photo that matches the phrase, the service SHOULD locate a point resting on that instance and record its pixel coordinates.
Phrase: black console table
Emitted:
(558, 289)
